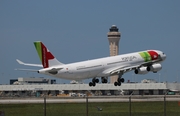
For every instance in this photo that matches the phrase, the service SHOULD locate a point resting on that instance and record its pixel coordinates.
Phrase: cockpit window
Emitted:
(163, 53)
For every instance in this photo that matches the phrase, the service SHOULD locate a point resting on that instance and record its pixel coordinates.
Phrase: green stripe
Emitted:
(143, 55)
(38, 47)
(146, 56)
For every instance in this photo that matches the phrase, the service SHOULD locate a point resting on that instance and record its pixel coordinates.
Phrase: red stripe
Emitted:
(154, 55)
(49, 56)
(46, 56)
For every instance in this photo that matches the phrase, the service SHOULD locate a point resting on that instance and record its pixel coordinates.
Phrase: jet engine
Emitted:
(142, 70)
(154, 68)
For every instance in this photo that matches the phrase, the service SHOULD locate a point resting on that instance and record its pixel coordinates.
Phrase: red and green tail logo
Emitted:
(43, 53)
(149, 55)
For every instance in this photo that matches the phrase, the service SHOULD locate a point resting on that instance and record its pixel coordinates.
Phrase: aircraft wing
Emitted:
(127, 68)
(121, 69)
(37, 65)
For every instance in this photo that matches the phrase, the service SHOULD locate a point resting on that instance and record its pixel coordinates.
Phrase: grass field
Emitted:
(79, 109)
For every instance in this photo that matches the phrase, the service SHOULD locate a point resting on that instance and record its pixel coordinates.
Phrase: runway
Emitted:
(83, 100)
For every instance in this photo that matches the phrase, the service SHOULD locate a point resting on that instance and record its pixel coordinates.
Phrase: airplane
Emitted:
(141, 62)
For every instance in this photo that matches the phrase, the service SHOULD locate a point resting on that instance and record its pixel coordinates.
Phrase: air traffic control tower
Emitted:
(114, 37)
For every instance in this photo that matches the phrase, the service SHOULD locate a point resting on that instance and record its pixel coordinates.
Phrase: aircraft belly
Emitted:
(85, 74)
(72, 76)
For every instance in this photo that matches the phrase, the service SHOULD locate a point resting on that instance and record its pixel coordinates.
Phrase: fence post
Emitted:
(86, 104)
(165, 102)
(45, 105)
(164, 105)
(129, 105)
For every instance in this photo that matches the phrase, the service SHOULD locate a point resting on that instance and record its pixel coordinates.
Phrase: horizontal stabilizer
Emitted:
(29, 70)
(36, 65)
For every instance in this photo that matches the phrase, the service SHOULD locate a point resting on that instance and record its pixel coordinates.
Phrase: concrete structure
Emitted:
(101, 89)
(114, 37)
(31, 80)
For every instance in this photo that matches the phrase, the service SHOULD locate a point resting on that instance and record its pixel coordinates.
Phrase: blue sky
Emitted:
(77, 30)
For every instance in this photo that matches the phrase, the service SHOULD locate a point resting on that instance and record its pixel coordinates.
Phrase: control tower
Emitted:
(114, 37)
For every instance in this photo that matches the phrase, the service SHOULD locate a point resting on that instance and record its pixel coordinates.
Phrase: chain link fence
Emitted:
(92, 106)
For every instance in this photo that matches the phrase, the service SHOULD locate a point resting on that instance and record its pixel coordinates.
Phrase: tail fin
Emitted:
(45, 55)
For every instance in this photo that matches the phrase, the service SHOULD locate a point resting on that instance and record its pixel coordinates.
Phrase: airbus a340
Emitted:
(141, 62)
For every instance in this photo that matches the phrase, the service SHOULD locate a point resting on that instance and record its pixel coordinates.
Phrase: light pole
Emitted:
(45, 105)
(87, 104)
(165, 75)
(132, 77)
(159, 77)
(177, 76)
(2, 75)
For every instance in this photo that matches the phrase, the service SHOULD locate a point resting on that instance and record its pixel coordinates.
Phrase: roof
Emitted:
(125, 86)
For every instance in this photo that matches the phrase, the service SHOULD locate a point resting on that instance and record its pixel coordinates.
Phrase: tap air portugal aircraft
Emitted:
(141, 62)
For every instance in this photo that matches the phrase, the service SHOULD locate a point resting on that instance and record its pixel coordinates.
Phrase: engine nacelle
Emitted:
(154, 68)
(142, 70)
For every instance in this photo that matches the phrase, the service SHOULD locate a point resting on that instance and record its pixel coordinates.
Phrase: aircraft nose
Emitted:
(163, 56)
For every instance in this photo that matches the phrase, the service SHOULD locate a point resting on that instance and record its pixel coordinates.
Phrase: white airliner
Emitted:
(141, 62)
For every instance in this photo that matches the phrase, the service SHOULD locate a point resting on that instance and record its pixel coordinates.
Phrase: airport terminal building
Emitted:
(36, 87)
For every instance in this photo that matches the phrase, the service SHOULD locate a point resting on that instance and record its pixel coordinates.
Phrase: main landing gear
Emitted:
(104, 79)
(119, 81)
(94, 81)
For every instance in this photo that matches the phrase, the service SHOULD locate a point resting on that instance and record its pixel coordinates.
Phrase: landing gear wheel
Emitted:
(119, 81)
(105, 80)
(94, 81)
(90, 84)
(97, 80)
(122, 80)
(119, 84)
(115, 83)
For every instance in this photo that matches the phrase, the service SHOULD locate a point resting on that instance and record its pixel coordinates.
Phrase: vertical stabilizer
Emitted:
(46, 57)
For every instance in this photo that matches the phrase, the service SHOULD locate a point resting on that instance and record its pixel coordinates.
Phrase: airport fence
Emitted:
(164, 105)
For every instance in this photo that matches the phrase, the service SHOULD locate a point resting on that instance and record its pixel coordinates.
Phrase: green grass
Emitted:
(79, 109)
